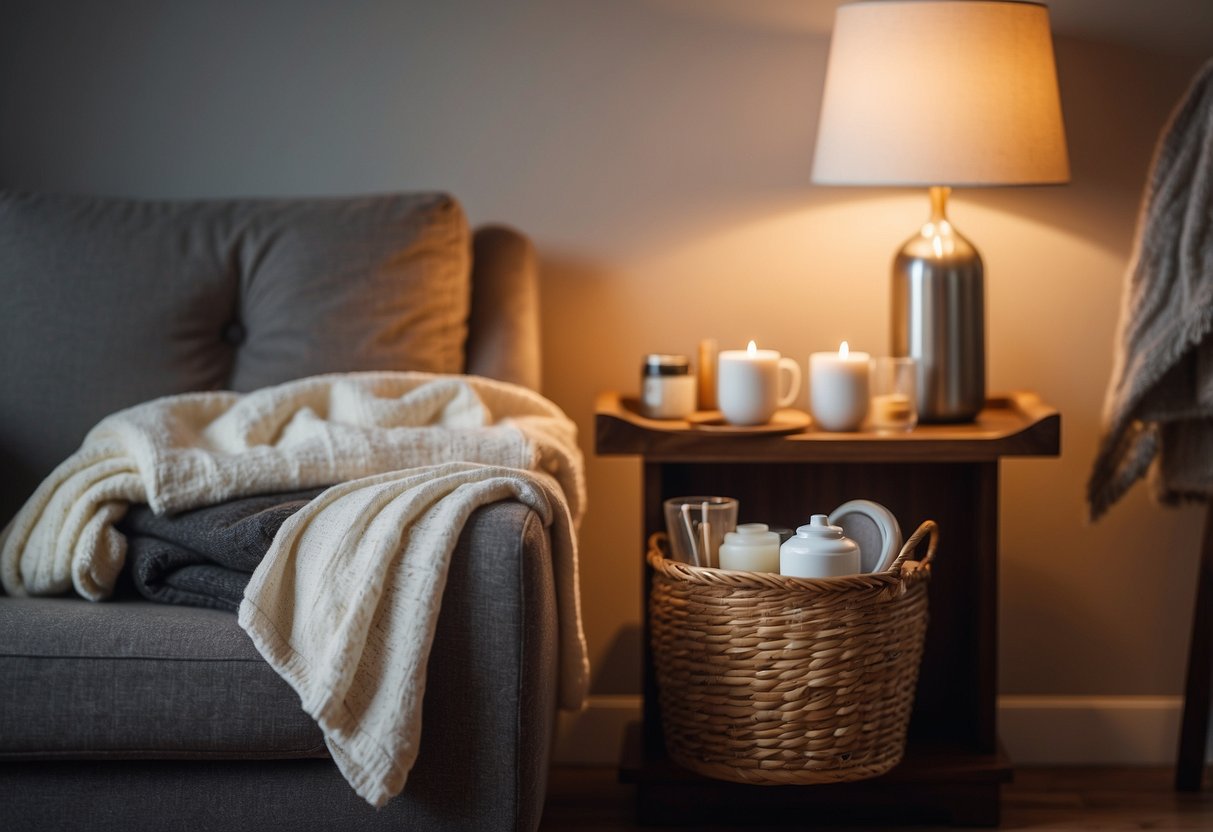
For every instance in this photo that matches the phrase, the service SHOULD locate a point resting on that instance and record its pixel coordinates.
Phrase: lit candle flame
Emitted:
(752, 349)
(843, 350)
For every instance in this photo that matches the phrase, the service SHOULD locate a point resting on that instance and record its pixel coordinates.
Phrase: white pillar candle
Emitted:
(838, 389)
(748, 382)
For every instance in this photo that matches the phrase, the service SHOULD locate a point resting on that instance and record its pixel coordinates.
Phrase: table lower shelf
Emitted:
(932, 784)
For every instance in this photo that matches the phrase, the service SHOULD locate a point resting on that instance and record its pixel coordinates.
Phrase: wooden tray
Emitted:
(783, 422)
(1018, 424)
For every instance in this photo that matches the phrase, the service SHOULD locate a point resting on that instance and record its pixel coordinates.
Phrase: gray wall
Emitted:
(659, 153)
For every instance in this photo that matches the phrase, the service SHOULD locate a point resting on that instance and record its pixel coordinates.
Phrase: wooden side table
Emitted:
(954, 764)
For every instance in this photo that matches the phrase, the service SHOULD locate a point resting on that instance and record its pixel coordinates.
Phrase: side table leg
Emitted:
(1198, 691)
(654, 521)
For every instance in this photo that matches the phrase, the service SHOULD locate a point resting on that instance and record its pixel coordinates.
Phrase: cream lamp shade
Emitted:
(941, 92)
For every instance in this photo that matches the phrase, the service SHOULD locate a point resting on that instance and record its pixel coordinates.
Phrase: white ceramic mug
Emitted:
(748, 385)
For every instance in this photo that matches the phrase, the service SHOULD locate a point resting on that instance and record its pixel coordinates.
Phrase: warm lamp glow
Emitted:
(933, 92)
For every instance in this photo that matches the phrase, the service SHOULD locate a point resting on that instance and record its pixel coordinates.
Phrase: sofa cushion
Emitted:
(137, 679)
(110, 302)
(378, 283)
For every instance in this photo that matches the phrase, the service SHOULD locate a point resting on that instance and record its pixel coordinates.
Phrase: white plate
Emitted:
(874, 528)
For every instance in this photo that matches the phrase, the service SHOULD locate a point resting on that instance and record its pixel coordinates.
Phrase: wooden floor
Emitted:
(1055, 799)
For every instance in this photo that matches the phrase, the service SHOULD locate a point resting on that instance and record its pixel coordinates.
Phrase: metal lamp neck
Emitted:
(938, 236)
(939, 203)
(938, 228)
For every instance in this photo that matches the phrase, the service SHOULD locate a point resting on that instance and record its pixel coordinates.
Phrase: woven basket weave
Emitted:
(774, 680)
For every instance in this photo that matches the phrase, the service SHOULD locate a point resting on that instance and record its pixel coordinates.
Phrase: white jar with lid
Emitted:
(669, 390)
(752, 548)
(819, 550)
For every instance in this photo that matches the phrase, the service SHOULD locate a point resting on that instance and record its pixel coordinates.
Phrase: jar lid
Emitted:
(661, 364)
(751, 534)
(819, 526)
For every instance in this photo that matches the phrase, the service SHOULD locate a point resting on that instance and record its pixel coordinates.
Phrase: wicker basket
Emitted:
(774, 680)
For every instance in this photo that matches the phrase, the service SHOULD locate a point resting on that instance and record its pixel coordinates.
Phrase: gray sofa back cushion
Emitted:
(110, 302)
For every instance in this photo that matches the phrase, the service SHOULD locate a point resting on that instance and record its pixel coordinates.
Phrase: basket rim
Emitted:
(904, 571)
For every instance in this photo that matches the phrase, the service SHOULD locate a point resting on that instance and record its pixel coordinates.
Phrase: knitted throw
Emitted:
(1159, 404)
(345, 603)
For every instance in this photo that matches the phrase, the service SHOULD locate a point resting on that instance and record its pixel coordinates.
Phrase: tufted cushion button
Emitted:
(233, 333)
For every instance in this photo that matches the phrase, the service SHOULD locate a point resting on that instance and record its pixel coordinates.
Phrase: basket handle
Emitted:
(658, 542)
(928, 527)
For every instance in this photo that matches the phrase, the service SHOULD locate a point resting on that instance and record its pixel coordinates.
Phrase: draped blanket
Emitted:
(1159, 404)
(345, 603)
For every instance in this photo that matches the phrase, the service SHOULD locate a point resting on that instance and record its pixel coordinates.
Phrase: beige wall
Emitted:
(659, 153)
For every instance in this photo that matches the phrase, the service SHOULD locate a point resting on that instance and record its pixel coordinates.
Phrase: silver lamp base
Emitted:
(939, 317)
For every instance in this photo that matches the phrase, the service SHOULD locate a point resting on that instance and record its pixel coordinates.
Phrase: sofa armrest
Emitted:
(491, 692)
(503, 322)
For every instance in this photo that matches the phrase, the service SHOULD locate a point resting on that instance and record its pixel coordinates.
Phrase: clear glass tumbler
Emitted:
(894, 405)
(697, 526)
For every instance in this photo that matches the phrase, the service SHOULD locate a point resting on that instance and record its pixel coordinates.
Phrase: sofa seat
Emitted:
(138, 679)
(79, 676)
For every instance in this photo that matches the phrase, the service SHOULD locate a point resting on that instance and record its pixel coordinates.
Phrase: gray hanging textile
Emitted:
(1159, 404)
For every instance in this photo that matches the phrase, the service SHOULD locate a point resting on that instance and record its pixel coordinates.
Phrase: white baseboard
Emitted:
(1091, 730)
(594, 737)
(1037, 730)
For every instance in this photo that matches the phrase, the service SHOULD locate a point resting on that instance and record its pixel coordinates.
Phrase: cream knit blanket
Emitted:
(345, 603)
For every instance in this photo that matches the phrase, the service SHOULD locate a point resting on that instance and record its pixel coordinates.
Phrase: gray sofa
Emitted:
(130, 715)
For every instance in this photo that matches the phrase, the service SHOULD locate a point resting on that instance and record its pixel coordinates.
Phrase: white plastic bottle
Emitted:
(818, 550)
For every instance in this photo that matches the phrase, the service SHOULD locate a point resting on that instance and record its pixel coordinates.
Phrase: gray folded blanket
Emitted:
(205, 557)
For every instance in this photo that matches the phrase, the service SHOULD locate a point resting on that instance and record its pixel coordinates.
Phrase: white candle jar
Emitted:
(751, 548)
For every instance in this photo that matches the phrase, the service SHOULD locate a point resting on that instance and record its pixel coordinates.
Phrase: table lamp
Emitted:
(941, 94)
